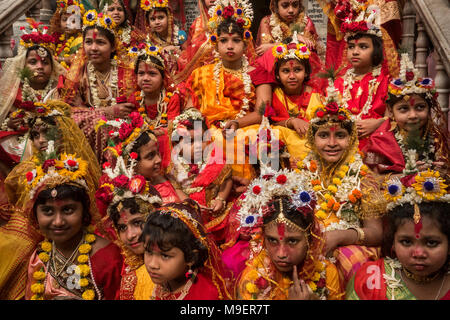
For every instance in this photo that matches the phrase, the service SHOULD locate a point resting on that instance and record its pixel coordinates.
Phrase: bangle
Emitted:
(223, 201)
(287, 123)
(361, 235)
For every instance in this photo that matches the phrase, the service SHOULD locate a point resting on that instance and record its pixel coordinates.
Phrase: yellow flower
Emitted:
(337, 181)
(83, 258)
(344, 168)
(44, 257)
(312, 285)
(316, 277)
(88, 295)
(85, 248)
(251, 287)
(320, 266)
(332, 188)
(341, 173)
(37, 288)
(364, 168)
(324, 206)
(46, 246)
(83, 270)
(327, 196)
(84, 282)
(39, 275)
(286, 283)
(89, 238)
(430, 185)
(36, 297)
(91, 228)
(321, 215)
(253, 275)
(317, 188)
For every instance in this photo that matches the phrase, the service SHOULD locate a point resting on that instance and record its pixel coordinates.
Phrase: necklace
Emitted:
(30, 94)
(93, 77)
(70, 259)
(165, 294)
(280, 30)
(419, 279)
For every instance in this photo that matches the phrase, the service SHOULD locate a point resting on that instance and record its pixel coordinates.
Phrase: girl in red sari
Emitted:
(197, 171)
(97, 85)
(194, 270)
(416, 245)
(394, 146)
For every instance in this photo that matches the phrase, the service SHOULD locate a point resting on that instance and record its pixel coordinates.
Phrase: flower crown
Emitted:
(37, 37)
(409, 82)
(240, 11)
(92, 18)
(270, 185)
(294, 50)
(361, 20)
(56, 171)
(148, 5)
(147, 49)
(66, 4)
(29, 110)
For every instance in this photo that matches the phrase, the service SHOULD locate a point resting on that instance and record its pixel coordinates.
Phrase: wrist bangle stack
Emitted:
(361, 235)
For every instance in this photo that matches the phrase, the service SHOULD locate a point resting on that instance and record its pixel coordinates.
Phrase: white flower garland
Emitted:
(125, 35)
(113, 87)
(29, 94)
(391, 281)
(349, 80)
(410, 155)
(161, 107)
(275, 24)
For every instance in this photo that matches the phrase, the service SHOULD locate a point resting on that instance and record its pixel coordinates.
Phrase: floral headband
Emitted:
(409, 82)
(37, 37)
(70, 6)
(297, 51)
(261, 191)
(92, 18)
(29, 110)
(148, 5)
(240, 11)
(360, 20)
(56, 171)
(149, 50)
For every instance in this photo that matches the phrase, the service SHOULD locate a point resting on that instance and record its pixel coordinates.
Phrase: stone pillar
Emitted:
(34, 12)
(422, 43)
(46, 12)
(442, 85)
(5, 44)
(409, 21)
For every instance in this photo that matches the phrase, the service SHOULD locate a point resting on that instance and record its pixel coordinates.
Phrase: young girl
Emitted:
(65, 27)
(181, 259)
(364, 85)
(350, 202)
(71, 261)
(416, 243)
(164, 32)
(198, 172)
(411, 136)
(285, 260)
(97, 85)
(154, 99)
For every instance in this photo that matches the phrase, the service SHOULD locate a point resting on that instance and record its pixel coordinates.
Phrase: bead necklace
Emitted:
(94, 81)
(164, 293)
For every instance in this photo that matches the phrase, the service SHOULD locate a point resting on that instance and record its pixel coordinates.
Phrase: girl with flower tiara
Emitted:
(415, 242)
(415, 135)
(183, 262)
(198, 172)
(285, 256)
(97, 85)
(164, 32)
(72, 261)
(364, 85)
(349, 200)
(65, 27)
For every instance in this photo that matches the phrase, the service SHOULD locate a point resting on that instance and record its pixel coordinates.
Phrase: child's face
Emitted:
(97, 46)
(63, 22)
(60, 220)
(331, 143)
(286, 247)
(149, 79)
(115, 11)
(359, 52)
(288, 9)
(292, 74)
(149, 164)
(159, 22)
(129, 227)
(194, 146)
(165, 266)
(425, 255)
(41, 68)
(231, 47)
(38, 135)
(411, 113)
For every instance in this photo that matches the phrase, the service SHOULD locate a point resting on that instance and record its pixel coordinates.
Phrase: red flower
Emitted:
(120, 181)
(256, 189)
(321, 283)
(104, 194)
(332, 108)
(106, 165)
(47, 164)
(320, 113)
(281, 179)
(267, 176)
(228, 12)
(125, 130)
(409, 75)
(136, 119)
(137, 183)
(193, 169)
(27, 105)
(261, 283)
(121, 99)
(29, 176)
(72, 163)
(133, 155)
(341, 117)
(240, 22)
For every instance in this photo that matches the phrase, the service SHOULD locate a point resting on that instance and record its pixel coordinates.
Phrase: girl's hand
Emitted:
(240, 184)
(121, 110)
(367, 126)
(332, 241)
(15, 123)
(300, 126)
(305, 40)
(230, 128)
(217, 205)
(299, 290)
(263, 48)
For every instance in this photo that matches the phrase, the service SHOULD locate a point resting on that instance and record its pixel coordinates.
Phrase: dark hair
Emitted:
(437, 211)
(154, 60)
(393, 99)
(104, 32)
(35, 48)
(125, 20)
(377, 54)
(301, 219)
(348, 125)
(235, 28)
(304, 62)
(128, 203)
(165, 10)
(168, 232)
(64, 192)
(143, 139)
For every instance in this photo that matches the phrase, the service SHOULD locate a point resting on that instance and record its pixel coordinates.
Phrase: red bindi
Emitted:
(412, 102)
(124, 217)
(94, 35)
(333, 128)
(146, 67)
(281, 230)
